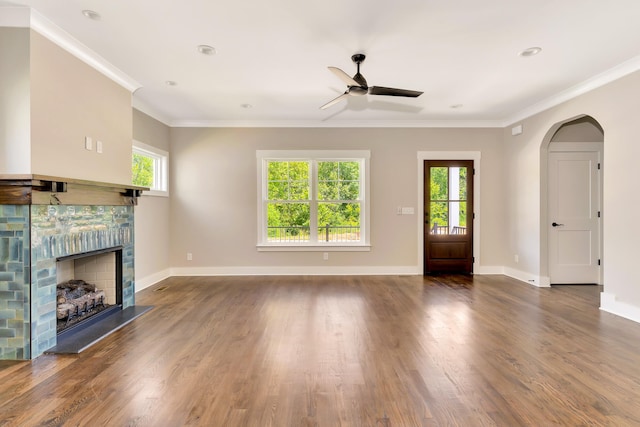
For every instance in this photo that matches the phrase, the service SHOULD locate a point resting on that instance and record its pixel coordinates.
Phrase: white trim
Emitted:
(313, 156)
(295, 271)
(523, 276)
(449, 155)
(338, 124)
(314, 248)
(152, 279)
(161, 160)
(581, 88)
(30, 18)
(610, 304)
(489, 270)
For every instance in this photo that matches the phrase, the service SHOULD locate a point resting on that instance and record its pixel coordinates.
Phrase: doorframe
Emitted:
(545, 280)
(450, 155)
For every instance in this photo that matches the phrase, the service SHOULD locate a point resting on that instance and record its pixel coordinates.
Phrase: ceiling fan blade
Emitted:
(344, 76)
(389, 91)
(334, 101)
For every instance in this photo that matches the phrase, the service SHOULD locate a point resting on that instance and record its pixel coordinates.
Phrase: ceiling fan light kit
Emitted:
(357, 85)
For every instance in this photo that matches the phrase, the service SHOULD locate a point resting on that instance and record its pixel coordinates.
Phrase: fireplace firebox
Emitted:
(89, 283)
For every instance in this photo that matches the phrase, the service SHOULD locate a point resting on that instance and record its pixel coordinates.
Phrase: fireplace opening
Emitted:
(89, 287)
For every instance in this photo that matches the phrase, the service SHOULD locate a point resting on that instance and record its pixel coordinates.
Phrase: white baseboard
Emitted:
(609, 303)
(487, 270)
(325, 271)
(532, 279)
(152, 279)
(295, 271)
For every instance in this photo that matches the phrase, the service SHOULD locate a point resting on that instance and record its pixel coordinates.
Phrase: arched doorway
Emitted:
(571, 202)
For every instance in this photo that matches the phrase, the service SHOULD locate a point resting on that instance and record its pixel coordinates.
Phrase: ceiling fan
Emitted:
(357, 85)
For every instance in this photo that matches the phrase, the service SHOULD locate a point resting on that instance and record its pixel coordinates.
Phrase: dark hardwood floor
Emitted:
(343, 351)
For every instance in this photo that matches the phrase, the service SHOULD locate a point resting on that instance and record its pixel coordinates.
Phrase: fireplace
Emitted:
(46, 222)
(89, 284)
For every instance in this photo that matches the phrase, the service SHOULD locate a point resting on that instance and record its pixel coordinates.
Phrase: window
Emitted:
(149, 169)
(313, 199)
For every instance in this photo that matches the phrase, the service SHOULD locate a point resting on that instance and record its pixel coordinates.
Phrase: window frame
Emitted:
(312, 156)
(161, 168)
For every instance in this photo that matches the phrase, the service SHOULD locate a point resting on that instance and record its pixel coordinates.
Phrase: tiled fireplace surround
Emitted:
(33, 235)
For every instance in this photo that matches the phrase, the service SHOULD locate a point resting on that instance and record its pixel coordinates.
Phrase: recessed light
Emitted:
(170, 83)
(91, 14)
(532, 51)
(206, 49)
(246, 106)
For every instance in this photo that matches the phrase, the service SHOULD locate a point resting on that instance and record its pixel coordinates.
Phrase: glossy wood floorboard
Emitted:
(343, 351)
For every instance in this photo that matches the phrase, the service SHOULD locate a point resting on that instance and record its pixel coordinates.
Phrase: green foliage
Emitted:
(288, 191)
(439, 189)
(440, 202)
(142, 170)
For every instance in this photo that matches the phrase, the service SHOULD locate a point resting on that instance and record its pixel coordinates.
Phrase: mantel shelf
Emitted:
(50, 190)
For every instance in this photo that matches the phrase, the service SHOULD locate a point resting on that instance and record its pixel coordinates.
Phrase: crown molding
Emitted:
(588, 85)
(342, 124)
(25, 17)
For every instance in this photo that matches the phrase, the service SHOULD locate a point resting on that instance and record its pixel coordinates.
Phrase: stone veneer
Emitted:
(31, 239)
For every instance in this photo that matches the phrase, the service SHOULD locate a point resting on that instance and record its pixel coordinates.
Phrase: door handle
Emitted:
(555, 224)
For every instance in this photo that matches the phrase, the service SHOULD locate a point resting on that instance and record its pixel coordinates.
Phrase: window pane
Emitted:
(327, 171)
(288, 181)
(278, 171)
(299, 190)
(350, 191)
(439, 217)
(463, 183)
(349, 171)
(142, 170)
(338, 180)
(458, 216)
(339, 222)
(287, 222)
(278, 191)
(439, 184)
(328, 190)
(298, 171)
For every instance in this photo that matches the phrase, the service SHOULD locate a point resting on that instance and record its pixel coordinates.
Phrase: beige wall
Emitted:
(615, 106)
(214, 207)
(71, 100)
(15, 149)
(152, 213)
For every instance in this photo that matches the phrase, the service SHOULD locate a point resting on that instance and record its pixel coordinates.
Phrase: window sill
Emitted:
(155, 193)
(313, 248)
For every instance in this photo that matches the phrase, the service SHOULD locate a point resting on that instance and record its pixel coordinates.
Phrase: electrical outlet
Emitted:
(88, 143)
(189, 256)
(325, 256)
(99, 147)
(516, 258)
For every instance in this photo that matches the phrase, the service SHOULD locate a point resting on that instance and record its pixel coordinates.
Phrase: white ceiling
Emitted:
(274, 55)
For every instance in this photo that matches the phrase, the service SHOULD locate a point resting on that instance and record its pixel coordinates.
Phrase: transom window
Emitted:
(313, 198)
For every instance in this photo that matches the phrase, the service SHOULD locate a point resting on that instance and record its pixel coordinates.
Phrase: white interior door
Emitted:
(574, 223)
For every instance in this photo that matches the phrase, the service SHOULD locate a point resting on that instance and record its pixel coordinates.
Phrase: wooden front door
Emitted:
(448, 216)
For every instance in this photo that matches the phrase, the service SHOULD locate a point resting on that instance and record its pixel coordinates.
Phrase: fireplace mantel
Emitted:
(50, 190)
(43, 218)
